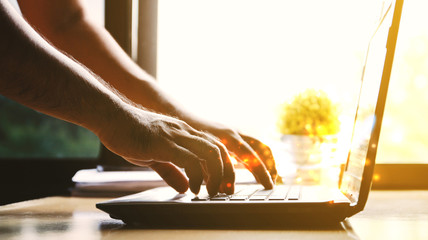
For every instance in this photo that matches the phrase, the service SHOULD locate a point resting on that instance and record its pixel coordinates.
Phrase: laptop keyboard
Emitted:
(255, 193)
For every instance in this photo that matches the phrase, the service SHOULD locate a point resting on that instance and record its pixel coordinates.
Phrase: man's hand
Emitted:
(253, 154)
(162, 143)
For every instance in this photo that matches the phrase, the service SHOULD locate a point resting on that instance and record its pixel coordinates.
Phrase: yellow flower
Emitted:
(309, 113)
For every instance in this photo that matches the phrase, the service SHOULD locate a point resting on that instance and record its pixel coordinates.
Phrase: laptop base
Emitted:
(164, 208)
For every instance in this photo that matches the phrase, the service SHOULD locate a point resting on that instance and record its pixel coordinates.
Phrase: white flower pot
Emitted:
(308, 155)
(302, 149)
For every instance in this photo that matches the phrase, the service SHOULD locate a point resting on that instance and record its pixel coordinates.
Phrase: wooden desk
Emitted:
(388, 215)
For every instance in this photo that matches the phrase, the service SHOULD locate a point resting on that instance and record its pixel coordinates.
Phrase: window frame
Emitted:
(389, 176)
(32, 178)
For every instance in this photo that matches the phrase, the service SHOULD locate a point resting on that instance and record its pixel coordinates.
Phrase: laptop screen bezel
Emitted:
(358, 204)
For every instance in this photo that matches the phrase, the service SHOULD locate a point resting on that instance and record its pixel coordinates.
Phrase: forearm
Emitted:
(93, 46)
(37, 75)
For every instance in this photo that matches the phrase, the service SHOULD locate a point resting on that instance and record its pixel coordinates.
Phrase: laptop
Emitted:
(252, 206)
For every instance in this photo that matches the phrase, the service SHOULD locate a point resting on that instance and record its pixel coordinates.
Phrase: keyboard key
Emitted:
(263, 192)
(279, 193)
(238, 198)
(257, 198)
(276, 198)
(202, 196)
(196, 199)
(220, 197)
(246, 191)
(260, 195)
(294, 193)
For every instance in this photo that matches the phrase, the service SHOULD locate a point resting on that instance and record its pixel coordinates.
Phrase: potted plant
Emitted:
(308, 123)
(310, 113)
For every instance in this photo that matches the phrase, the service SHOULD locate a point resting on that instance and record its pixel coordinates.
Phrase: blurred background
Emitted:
(237, 61)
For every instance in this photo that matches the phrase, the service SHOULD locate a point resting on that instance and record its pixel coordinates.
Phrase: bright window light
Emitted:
(237, 61)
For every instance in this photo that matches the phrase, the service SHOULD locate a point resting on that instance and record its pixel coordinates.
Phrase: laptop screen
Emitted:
(357, 177)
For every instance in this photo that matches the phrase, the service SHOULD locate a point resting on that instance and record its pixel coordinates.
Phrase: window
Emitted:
(403, 137)
(241, 59)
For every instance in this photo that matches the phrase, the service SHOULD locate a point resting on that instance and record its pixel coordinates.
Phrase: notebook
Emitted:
(252, 206)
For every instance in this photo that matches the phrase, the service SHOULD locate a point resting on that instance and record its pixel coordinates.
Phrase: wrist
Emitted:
(102, 111)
